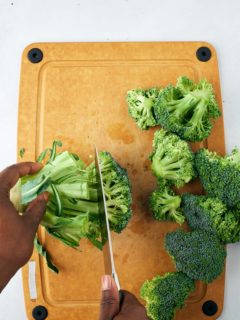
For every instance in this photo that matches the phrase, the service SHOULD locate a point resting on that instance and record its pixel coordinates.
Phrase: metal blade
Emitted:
(105, 229)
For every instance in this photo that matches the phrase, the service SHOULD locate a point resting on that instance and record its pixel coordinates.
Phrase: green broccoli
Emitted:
(172, 158)
(220, 176)
(198, 254)
(165, 204)
(164, 295)
(140, 106)
(211, 214)
(117, 191)
(73, 209)
(187, 109)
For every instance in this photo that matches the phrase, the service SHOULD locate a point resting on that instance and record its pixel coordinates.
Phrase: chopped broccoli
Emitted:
(198, 254)
(140, 106)
(164, 295)
(211, 214)
(220, 176)
(172, 158)
(117, 192)
(187, 109)
(165, 204)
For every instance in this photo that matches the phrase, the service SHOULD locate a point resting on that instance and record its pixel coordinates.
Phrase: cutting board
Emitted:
(75, 92)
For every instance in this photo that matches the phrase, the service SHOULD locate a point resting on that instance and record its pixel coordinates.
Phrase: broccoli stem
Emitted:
(171, 203)
(183, 106)
(148, 105)
(199, 112)
(166, 167)
(178, 217)
(81, 206)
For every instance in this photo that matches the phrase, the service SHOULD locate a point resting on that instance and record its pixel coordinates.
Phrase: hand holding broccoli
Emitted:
(17, 231)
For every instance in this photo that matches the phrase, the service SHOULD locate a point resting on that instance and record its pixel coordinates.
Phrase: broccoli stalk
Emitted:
(172, 158)
(165, 204)
(73, 209)
(140, 106)
(198, 254)
(164, 295)
(211, 214)
(220, 176)
(187, 109)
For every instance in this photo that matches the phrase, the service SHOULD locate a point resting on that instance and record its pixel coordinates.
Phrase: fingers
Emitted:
(10, 175)
(35, 211)
(110, 299)
(131, 305)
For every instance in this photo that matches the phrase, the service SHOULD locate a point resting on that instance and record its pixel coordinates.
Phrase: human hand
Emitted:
(17, 232)
(111, 309)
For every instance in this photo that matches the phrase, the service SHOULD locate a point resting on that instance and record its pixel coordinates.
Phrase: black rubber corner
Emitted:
(39, 313)
(209, 308)
(203, 54)
(35, 55)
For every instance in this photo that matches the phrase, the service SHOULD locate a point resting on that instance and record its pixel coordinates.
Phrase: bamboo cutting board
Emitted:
(75, 92)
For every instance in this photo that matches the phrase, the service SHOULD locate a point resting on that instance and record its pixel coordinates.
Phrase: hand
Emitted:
(130, 309)
(17, 232)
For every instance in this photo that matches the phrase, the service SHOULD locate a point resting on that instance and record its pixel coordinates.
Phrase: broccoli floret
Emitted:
(211, 214)
(220, 176)
(198, 254)
(117, 190)
(172, 158)
(164, 295)
(140, 106)
(187, 109)
(165, 204)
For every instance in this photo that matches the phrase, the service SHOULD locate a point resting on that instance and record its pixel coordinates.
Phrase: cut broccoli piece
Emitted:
(164, 295)
(198, 254)
(165, 204)
(172, 158)
(140, 106)
(220, 176)
(117, 191)
(187, 109)
(211, 214)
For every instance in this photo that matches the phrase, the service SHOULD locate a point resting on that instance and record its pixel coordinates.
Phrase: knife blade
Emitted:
(109, 264)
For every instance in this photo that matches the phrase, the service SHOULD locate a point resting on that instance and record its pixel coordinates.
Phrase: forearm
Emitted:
(6, 273)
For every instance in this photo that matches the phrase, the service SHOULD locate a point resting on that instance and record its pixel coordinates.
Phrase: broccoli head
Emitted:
(172, 158)
(220, 176)
(164, 295)
(117, 191)
(211, 214)
(140, 106)
(165, 204)
(198, 254)
(187, 109)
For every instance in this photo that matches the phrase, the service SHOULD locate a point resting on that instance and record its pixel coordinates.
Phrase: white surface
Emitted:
(26, 21)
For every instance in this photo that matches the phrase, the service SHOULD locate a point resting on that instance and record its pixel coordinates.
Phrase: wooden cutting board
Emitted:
(75, 92)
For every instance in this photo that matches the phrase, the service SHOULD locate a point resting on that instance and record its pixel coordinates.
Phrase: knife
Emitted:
(109, 264)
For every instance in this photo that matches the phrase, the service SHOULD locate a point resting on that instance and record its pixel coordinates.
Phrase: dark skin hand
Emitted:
(111, 309)
(17, 232)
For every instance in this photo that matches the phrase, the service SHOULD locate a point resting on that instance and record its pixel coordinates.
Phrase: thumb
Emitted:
(35, 212)
(110, 299)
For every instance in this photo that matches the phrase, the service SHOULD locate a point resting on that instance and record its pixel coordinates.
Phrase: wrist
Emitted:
(6, 273)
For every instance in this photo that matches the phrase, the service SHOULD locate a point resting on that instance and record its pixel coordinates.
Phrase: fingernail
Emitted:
(106, 282)
(38, 165)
